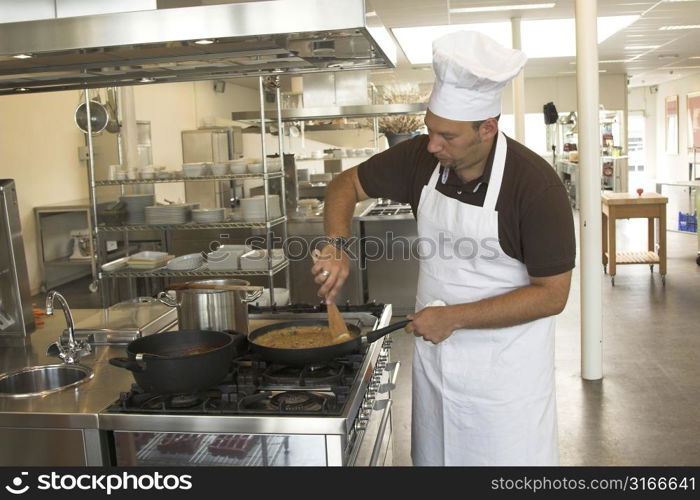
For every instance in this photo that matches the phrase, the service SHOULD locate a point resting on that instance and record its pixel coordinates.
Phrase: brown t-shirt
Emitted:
(535, 222)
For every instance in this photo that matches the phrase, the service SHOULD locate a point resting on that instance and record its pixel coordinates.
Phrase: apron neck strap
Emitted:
(497, 168)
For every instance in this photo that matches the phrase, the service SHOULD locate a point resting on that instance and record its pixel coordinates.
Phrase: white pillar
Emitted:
(518, 86)
(589, 177)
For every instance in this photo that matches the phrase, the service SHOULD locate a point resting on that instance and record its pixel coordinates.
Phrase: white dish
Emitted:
(281, 297)
(148, 255)
(186, 262)
(115, 264)
(194, 169)
(255, 168)
(226, 257)
(219, 169)
(148, 260)
(254, 208)
(204, 215)
(238, 166)
(256, 260)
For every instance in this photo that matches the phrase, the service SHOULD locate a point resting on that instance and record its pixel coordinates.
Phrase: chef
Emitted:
(496, 242)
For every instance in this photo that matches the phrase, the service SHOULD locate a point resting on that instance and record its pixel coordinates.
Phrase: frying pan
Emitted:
(315, 354)
(169, 362)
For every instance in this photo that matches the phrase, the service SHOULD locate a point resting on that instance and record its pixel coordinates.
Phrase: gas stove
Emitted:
(287, 405)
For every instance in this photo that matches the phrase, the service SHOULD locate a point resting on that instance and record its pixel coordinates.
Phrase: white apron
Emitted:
(481, 397)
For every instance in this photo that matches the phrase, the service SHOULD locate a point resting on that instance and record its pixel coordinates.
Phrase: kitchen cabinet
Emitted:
(55, 245)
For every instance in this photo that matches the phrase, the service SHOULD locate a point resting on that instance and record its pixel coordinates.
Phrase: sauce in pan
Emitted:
(298, 337)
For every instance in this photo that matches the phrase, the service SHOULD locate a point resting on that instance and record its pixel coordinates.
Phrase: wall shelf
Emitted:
(194, 226)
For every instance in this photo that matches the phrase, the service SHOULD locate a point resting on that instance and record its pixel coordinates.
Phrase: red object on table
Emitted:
(640, 191)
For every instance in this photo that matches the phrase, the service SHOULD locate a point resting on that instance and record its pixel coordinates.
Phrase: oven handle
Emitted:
(380, 434)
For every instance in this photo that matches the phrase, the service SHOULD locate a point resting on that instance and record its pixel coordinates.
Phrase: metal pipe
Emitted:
(92, 190)
(518, 86)
(283, 189)
(266, 187)
(589, 177)
(53, 294)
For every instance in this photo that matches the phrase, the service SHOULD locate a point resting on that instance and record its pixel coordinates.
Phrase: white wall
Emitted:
(562, 92)
(39, 150)
(674, 166)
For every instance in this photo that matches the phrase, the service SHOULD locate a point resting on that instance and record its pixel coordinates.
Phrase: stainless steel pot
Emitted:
(218, 310)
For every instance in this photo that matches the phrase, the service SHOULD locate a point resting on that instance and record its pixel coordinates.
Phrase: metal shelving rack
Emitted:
(269, 82)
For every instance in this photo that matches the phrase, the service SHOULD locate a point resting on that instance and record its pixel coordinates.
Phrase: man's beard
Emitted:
(454, 164)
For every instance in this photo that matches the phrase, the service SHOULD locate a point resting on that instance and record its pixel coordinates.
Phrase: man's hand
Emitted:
(434, 324)
(330, 271)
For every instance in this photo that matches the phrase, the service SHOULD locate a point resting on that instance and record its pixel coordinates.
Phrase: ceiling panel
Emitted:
(643, 66)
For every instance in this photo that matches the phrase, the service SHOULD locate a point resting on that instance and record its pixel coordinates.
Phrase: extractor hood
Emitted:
(160, 45)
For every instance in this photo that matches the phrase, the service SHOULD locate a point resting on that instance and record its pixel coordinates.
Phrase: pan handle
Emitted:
(126, 363)
(377, 334)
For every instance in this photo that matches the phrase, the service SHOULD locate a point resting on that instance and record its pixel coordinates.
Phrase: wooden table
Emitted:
(649, 206)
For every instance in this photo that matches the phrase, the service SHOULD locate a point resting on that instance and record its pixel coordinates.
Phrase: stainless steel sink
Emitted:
(42, 380)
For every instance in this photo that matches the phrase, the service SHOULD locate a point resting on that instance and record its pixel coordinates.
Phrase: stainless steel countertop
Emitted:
(71, 408)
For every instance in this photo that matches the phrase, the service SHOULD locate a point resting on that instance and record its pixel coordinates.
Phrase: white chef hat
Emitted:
(471, 70)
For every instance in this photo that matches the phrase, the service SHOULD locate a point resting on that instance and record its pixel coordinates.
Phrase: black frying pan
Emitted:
(183, 362)
(315, 354)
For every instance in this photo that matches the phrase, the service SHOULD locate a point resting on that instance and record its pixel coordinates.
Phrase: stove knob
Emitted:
(368, 404)
(365, 414)
(360, 425)
(377, 379)
(374, 387)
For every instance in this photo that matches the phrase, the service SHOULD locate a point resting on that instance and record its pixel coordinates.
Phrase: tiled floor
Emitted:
(646, 409)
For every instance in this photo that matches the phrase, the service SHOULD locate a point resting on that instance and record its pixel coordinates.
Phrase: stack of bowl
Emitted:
(198, 169)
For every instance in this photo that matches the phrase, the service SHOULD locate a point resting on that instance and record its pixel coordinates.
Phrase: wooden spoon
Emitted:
(336, 323)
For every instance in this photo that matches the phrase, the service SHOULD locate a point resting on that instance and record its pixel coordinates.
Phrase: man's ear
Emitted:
(488, 129)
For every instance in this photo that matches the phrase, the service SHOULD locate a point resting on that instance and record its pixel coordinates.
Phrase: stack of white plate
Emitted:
(135, 206)
(168, 214)
(186, 262)
(207, 215)
(226, 257)
(256, 260)
(254, 208)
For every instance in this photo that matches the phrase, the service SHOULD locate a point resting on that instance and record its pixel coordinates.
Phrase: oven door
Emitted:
(204, 449)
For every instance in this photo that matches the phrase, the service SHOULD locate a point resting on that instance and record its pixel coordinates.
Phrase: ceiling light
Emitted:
(642, 47)
(147, 79)
(21, 89)
(495, 8)
(416, 42)
(204, 41)
(23, 56)
(680, 27)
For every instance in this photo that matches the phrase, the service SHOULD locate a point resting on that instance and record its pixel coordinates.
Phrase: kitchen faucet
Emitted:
(72, 350)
